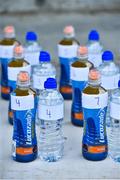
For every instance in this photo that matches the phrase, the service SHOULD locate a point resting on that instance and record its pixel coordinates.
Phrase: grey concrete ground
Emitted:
(49, 28)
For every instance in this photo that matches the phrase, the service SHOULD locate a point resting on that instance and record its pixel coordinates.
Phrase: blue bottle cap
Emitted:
(31, 36)
(107, 56)
(50, 83)
(93, 36)
(44, 56)
(119, 83)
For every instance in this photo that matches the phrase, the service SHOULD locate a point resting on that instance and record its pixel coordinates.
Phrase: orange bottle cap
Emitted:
(9, 29)
(82, 50)
(23, 76)
(68, 30)
(94, 74)
(18, 49)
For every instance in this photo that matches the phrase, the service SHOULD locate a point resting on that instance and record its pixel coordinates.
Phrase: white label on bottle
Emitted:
(14, 148)
(6, 51)
(115, 110)
(51, 113)
(110, 82)
(14, 71)
(67, 51)
(38, 81)
(96, 59)
(92, 101)
(32, 57)
(20, 103)
(79, 74)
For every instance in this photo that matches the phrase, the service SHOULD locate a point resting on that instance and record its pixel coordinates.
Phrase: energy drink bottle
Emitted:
(94, 102)
(79, 77)
(17, 64)
(32, 48)
(94, 48)
(6, 54)
(23, 104)
(110, 75)
(67, 52)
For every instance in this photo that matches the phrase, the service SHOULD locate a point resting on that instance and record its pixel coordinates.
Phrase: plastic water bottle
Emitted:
(51, 114)
(110, 75)
(23, 104)
(6, 54)
(32, 48)
(94, 102)
(41, 72)
(79, 77)
(16, 65)
(114, 138)
(94, 48)
(67, 52)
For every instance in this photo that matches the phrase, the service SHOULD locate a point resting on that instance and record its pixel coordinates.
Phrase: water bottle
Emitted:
(23, 104)
(32, 48)
(16, 65)
(114, 137)
(51, 114)
(94, 102)
(79, 77)
(109, 78)
(94, 48)
(42, 71)
(6, 54)
(67, 52)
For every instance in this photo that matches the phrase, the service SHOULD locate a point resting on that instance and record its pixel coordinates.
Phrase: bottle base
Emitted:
(77, 122)
(66, 92)
(94, 157)
(10, 120)
(67, 96)
(5, 96)
(51, 157)
(25, 159)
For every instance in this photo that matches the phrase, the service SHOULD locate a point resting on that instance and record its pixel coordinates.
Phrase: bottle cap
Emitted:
(9, 31)
(44, 56)
(94, 75)
(50, 83)
(107, 56)
(31, 36)
(82, 50)
(119, 83)
(68, 30)
(93, 35)
(23, 78)
(18, 49)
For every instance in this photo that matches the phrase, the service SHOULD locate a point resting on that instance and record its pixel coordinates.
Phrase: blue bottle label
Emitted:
(24, 136)
(94, 112)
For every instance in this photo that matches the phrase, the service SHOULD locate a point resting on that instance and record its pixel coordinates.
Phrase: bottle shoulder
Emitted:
(8, 42)
(109, 68)
(24, 92)
(50, 97)
(94, 90)
(18, 63)
(32, 46)
(115, 96)
(82, 64)
(69, 42)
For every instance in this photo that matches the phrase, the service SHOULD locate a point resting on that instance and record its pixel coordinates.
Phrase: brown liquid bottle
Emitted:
(79, 77)
(6, 54)
(14, 67)
(67, 51)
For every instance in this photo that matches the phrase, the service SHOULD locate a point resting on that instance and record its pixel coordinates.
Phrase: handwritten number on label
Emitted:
(97, 98)
(48, 113)
(18, 102)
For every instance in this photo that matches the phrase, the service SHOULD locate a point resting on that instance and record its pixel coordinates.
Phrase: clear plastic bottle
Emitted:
(67, 52)
(94, 48)
(7, 45)
(114, 137)
(51, 114)
(23, 104)
(94, 102)
(79, 77)
(110, 75)
(17, 64)
(32, 48)
(41, 72)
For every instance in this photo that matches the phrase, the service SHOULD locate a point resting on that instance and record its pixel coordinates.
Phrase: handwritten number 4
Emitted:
(48, 113)
(18, 102)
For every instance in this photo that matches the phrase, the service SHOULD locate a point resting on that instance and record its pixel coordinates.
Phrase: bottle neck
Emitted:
(9, 36)
(83, 57)
(18, 56)
(94, 83)
(69, 36)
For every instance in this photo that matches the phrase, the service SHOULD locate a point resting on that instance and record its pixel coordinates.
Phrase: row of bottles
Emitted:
(89, 88)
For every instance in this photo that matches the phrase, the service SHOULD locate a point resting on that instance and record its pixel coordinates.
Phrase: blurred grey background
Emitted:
(48, 18)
